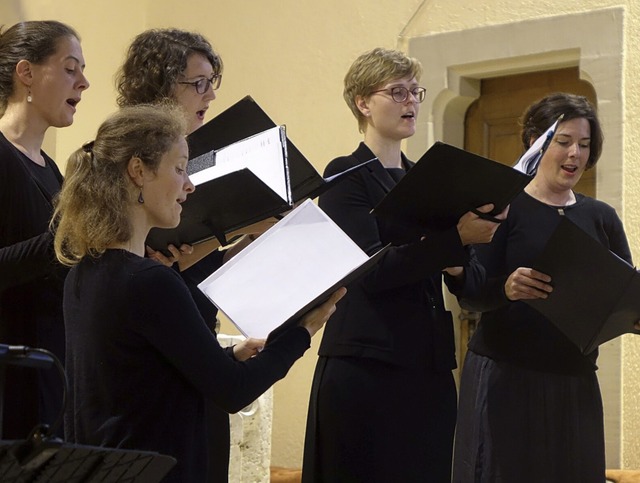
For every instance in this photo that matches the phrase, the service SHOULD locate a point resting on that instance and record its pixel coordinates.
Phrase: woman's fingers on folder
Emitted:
(315, 319)
(475, 228)
(503, 214)
(248, 348)
(485, 208)
(527, 284)
(176, 254)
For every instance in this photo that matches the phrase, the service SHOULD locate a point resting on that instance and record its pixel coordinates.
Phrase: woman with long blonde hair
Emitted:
(140, 359)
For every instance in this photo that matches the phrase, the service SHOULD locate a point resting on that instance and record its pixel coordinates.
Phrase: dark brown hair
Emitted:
(34, 41)
(540, 115)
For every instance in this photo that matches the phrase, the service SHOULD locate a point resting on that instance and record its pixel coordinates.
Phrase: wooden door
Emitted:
(492, 129)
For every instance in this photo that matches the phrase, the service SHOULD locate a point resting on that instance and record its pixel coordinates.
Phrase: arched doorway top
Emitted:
(455, 62)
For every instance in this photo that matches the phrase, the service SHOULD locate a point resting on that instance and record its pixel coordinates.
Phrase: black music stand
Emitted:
(18, 355)
(59, 462)
(43, 458)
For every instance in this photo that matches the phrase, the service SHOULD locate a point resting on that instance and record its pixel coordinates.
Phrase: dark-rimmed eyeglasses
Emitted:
(202, 85)
(401, 94)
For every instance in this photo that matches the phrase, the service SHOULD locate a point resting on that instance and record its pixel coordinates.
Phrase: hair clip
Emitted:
(88, 147)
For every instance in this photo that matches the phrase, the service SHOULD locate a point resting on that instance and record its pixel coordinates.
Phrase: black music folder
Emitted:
(446, 183)
(596, 294)
(239, 198)
(244, 119)
(246, 182)
(294, 266)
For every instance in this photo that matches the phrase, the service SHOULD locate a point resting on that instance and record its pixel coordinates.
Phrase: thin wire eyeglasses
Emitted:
(202, 85)
(401, 94)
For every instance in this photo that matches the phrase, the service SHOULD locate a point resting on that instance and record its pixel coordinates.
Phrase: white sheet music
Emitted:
(528, 162)
(263, 154)
(282, 271)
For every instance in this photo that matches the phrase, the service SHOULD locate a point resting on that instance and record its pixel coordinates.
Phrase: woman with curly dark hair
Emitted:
(171, 64)
(181, 68)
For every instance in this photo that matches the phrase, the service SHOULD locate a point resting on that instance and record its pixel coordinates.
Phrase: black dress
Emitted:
(383, 401)
(530, 405)
(30, 288)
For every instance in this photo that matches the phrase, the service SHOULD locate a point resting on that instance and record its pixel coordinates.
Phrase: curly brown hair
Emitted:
(155, 60)
(92, 209)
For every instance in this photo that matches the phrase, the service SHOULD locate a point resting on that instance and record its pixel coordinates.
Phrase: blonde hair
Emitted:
(372, 70)
(92, 210)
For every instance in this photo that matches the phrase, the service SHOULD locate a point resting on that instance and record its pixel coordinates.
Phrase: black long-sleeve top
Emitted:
(141, 362)
(27, 260)
(401, 299)
(513, 331)
(31, 280)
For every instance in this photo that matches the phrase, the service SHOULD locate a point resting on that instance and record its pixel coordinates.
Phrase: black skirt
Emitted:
(374, 422)
(519, 425)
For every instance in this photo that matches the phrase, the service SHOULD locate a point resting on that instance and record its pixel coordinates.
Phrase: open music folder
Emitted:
(246, 118)
(245, 170)
(246, 182)
(294, 266)
(446, 183)
(596, 294)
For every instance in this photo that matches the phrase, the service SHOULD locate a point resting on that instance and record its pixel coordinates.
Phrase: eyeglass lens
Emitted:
(203, 85)
(400, 94)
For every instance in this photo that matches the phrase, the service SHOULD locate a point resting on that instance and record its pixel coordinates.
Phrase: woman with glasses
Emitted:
(181, 67)
(171, 64)
(383, 401)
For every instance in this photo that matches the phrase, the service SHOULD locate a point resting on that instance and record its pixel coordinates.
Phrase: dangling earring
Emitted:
(29, 98)
(140, 198)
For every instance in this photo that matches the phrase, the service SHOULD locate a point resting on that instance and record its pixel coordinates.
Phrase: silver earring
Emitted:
(140, 198)
(29, 98)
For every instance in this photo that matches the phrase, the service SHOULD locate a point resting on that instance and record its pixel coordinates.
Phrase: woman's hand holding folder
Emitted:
(473, 228)
(315, 319)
